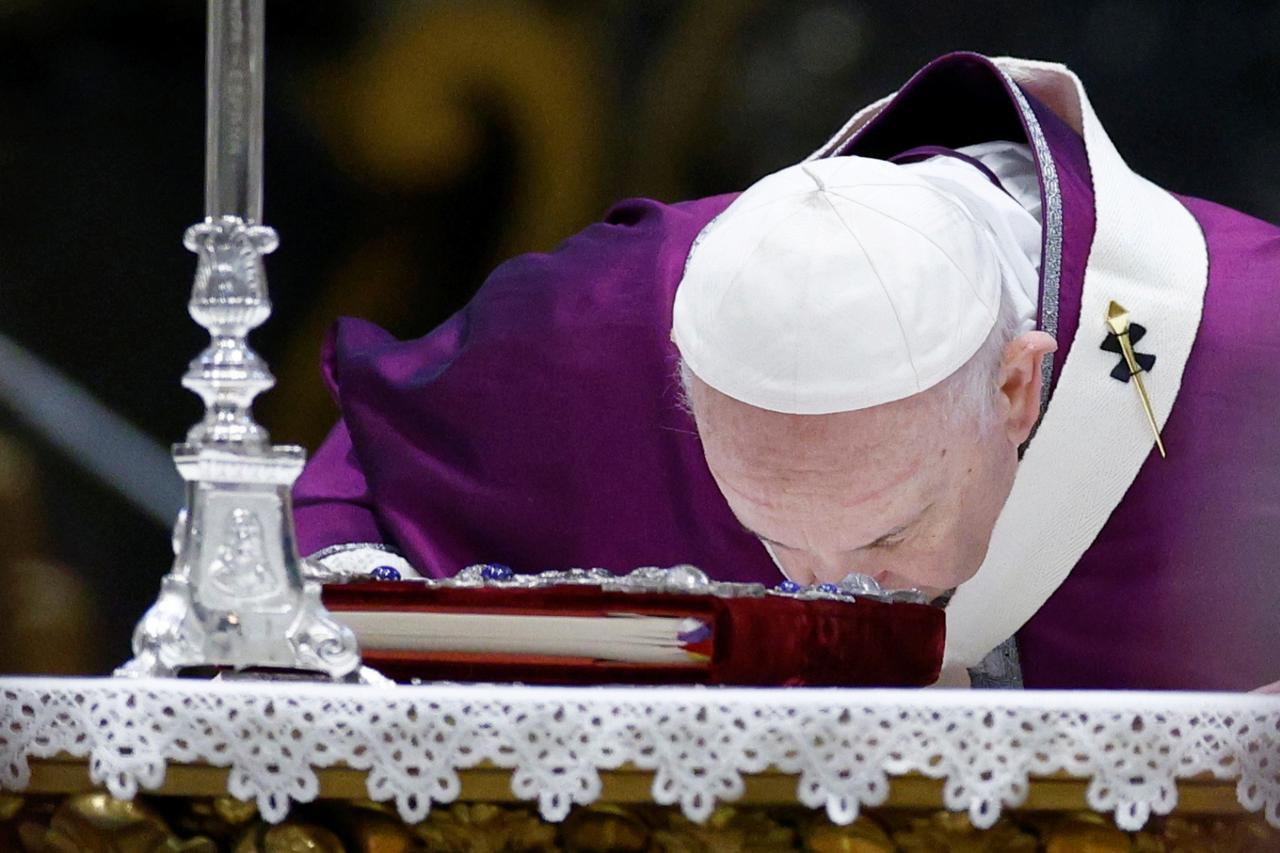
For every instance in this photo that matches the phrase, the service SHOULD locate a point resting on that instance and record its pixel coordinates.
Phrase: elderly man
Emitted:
(912, 356)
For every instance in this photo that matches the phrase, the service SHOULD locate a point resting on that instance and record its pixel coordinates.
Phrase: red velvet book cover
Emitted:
(753, 641)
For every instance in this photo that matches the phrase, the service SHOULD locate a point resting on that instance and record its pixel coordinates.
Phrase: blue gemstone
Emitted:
(788, 586)
(385, 573)
(496, 572)
(828, 587)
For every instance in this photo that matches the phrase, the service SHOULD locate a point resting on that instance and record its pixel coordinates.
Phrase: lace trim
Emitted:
(843, 744)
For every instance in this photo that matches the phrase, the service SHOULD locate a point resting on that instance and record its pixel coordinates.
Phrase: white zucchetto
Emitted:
(846, 282)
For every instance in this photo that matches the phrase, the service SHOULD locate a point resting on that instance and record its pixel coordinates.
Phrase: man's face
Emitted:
(899, 492)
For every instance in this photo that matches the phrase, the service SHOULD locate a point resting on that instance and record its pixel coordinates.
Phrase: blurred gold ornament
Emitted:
(370, 827)
(10, 805)
(862, 836)
(1198, 835)
(289, 837)
(233, 811)
(1080, 837)
(97, 823)
(218, 817)
(470, 828)
(727, 830)
(605, 827)
(47, 614)
(951, 832)
(1089, 832)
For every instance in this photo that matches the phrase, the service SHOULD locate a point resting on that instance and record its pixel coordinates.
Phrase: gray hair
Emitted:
(974, 389)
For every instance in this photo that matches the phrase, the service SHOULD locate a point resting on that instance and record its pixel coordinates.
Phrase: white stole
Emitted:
(1149, 255)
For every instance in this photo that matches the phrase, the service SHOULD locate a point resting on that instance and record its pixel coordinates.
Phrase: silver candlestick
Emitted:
(236, 596)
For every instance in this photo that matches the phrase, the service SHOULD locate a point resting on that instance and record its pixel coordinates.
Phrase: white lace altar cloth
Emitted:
(844, 745)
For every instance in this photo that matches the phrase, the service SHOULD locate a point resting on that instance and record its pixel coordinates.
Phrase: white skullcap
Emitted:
(840, 284)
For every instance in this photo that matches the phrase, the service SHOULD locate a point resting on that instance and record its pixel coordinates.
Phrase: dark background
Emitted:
(413, 145)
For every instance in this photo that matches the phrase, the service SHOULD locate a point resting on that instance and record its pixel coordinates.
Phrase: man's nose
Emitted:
(806, 568)
(833, 568)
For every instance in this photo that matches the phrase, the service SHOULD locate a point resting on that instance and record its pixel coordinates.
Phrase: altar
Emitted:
(302, 766)
(278, 737)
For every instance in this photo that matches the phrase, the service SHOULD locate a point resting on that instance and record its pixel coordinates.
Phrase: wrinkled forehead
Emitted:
(889, 442)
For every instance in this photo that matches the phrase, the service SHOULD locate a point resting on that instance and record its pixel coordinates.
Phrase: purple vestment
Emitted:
(542, 427)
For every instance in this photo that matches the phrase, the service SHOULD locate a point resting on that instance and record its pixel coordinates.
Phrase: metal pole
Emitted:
(233, 142)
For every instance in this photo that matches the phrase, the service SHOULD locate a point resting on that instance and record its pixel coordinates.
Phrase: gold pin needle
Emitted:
(1118, 323)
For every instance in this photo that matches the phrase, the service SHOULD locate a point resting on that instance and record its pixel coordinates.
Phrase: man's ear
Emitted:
(1021, 381)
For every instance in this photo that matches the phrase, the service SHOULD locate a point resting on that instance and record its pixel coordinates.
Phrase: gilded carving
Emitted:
(220, 818)
(10, 805)
(466, 828)
(1185, 835)
(369, 827)
(728, 830)
(952, 831)
(605, 827)
(96, 823)
(1090, 837)
(864, 835)
(289, 837)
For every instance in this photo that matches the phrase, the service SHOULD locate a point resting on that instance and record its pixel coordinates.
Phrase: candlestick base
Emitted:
(236, 597)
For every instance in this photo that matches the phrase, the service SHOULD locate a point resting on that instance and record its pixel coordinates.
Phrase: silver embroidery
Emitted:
(676, 579)
(1051, 258)
(353, 546)
(353, 561)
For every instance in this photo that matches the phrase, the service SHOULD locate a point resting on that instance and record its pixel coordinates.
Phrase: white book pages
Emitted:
(623, 637)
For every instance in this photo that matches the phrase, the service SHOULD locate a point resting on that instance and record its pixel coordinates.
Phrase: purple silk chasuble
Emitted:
(541, 427)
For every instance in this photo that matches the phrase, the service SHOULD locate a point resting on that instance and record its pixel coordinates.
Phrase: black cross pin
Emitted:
(1146, 361)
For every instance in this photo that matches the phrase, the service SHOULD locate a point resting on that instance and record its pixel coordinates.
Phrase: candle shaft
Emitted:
(233, 142)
